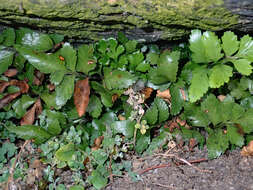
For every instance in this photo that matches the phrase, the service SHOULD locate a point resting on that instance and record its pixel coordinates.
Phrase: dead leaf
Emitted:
(8, 98)
(180, 122)
(3, 85)
(114, 97)
(164, 94)
(32, 114)
(11, 72)
(248, 150)
(51, 87)
(121, 117)
(23, 86)
(192, 144)
(38, 78)
(97, 143)
(81, 96)
(221, 97)
(147, 92)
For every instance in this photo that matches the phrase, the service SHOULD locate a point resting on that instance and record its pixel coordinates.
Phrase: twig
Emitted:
(154, 167)
(161, 185)
(10, 178)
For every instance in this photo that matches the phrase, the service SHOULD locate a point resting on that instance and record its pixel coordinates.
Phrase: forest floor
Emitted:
(163, 171)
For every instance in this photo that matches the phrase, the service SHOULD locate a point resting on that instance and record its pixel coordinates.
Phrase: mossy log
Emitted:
(148, 20)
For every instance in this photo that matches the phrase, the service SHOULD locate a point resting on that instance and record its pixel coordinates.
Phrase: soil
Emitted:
(231, 171)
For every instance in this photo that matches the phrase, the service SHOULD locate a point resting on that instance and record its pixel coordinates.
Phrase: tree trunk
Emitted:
(147, 20)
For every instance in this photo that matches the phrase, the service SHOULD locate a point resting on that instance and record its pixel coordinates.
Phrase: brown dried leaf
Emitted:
(38, 78)
(11, 72)
(221, 97)
(192, 144)
(3, 85)
(81, 96)
(147, 92)
(97, 143)
(23, 86)
(164, 94)
(31, 114)
(114, 97)
(8, 98)
(51, 87)
(247, 150)
(121, 117)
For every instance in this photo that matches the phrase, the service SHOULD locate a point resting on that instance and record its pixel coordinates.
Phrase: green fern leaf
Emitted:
(230, 43)
(199, 84)
(220, 74)
(243, 66)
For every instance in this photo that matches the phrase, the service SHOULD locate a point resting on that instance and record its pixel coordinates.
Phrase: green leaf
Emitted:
(163, 110)
(197, 47)
(122, 38)
(230, 44)
(131, 46)
(34, 40)
(243, 66)
(57, 77)
(27, 132)
(85, 60)
(212, 46)
(114, 49)
(153, 58)
(98, 181)
(157, 143)
(100, 156)
(76, 187)
(195, 115)
(57, 38)
(246, 121)
(125, 127)
(49, 99)
(118, 79)
(143, 67)
(220, 75)
(199, 84)
(151, 115)
(177, 98)
(246, 47)
(217, 143)
(69, 54)
(169, 65)
(135, 59)
(8, 37)
(212, 108)
(94, 107)
(8, 149)
(234, 137)
(6, 58)
(66, 152)
(142, 143)
(46, 63)
(106, 95)
(22, 104)
(65, 90)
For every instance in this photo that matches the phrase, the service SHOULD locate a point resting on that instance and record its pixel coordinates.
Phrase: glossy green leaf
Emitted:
(34, 40)
(195, 115)
(243, 66)
(142, 142)
(85, 60)
(247, 103)
(135, 59)
(65, 90)
(199, 84)
(106, 95)
(6, 58)
(125, 127)
(212, 46)
(151, 115)
(143, 67)
(230, 44)
(163, 110)
(57, 77)
(246, 121)
(27, 132)
(22, 104)
(7, 150)
(246, 47)
(220, 74)
(8, 36)
(157, 143)
(69, 54)
(46, 63)
(66, 152)
(177, 98)
(49, 99)
(94, 107)
(197, 47)
(153, 58)
(234, 137)
(118, 79)
(212, 108)
(217, 143)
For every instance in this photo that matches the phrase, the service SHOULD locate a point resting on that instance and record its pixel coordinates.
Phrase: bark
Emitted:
(147, 20)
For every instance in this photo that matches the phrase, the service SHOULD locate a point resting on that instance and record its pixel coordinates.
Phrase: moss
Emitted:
(89, 18)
